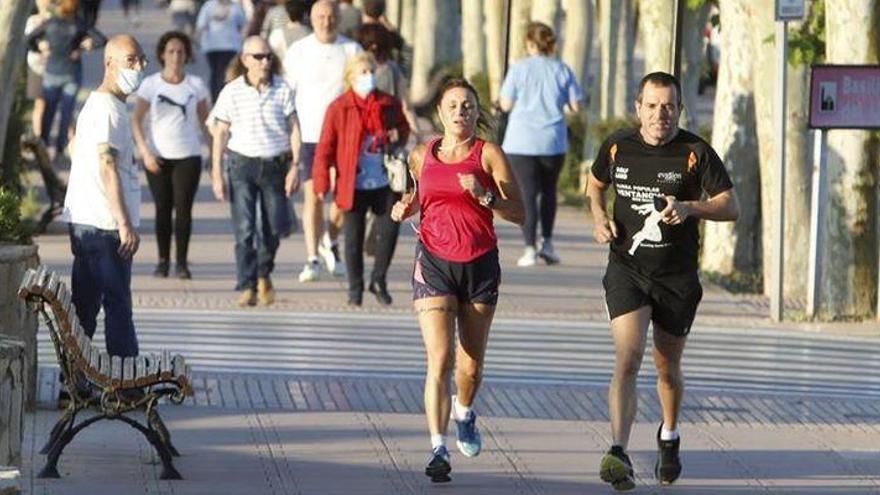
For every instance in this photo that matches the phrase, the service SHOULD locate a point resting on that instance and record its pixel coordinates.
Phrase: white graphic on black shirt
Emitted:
(650, 230)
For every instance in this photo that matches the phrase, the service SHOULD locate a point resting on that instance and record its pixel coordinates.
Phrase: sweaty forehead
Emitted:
(458, 95)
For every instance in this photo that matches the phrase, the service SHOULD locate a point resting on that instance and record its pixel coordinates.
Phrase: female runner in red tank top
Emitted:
(462, 183)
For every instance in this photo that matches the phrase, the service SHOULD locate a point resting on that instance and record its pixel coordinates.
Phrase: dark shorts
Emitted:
(306, 160)
(476, 281)
(673, 298)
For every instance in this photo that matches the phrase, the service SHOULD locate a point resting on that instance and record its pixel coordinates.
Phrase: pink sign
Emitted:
(845, 97)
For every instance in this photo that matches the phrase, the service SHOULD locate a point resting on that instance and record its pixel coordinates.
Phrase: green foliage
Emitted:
(11, 227)
(604, 128)
(696, 4)
(738, 282)
(807, 44)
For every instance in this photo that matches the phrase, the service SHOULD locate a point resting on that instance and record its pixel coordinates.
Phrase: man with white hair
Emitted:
(314, 68)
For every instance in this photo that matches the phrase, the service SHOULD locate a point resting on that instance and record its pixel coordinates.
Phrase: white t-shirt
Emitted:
(174, 121)
(221, 25)
(103, 120)
(314, 71)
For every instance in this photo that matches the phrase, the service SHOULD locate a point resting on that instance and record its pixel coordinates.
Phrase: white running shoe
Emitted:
(330, 255)
(547, 253)
(529, 257)
(311, 272)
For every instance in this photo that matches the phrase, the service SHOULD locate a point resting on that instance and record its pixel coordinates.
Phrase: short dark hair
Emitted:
(376, 38)
(296, 9)
(484, 121)
(662, 79)
(374, 8)
(167, 38)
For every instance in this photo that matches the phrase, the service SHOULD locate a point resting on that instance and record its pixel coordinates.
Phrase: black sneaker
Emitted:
(161, 270)
(668, 467)
(617, 470)
(380, 290)
(438, 467)
(182, 271)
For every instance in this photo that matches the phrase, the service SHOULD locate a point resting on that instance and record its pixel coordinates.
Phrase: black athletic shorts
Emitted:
(476, 281)
(673, 298)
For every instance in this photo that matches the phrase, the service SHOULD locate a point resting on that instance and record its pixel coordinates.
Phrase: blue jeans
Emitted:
(60, 94)
(101, 277)
(257, 182)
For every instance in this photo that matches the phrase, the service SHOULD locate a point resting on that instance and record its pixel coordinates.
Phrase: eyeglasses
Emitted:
(261, 56)
(131, 60)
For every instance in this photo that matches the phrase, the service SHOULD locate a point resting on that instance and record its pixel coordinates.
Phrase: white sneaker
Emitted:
(547, 253)
(330, 255)
(311, 272)
(529, 258)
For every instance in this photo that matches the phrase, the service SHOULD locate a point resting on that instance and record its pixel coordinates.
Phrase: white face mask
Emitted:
(364, 84)
(128, 80)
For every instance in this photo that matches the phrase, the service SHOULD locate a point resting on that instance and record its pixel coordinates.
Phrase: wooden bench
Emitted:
(111, 385)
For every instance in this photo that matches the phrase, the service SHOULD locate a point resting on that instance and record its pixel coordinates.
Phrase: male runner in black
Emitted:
(666, 179)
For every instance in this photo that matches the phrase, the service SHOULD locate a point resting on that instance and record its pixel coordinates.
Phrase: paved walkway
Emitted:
(311, 397)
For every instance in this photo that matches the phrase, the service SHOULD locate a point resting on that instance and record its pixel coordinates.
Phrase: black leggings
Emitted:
(175, 188)
(218, 61)
(379, 201)
(537, 177)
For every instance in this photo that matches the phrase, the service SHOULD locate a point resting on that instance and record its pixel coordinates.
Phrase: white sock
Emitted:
(313, 259)
(667, 435)
(437, 441)
(460, 411)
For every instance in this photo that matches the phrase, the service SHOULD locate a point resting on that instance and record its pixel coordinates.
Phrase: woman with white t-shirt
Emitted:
(177, 103)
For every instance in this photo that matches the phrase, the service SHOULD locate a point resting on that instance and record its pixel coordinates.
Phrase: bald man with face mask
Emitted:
(103, 200)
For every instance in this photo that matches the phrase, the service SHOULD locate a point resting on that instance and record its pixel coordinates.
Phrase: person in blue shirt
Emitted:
(538, 91)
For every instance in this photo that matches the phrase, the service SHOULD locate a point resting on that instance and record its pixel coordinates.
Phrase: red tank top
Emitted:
(453, 225)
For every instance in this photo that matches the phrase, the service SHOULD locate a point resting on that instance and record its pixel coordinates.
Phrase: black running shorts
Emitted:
(476, 281)
(673, 298)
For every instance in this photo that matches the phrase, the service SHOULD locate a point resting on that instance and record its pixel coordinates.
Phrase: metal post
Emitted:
(677, 23)
(817, 224)
(507, 14)
(776, 298)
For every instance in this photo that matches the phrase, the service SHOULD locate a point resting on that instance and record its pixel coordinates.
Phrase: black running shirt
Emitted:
(686, 167)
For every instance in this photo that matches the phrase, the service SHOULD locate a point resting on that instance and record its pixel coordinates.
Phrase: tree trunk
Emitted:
(13, 14)
(447, 38)
(472, 39)
(407, 20)
(546, 11)
(493, 10)
(520, 10)
(655, 32)
(732, 248)
(577, 42)
(798, 157)
(849, 277)
(694, 24)
(617, 19)
(424, 43)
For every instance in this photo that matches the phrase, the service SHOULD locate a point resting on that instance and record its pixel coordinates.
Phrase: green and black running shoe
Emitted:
(668, 467)
(617, 470)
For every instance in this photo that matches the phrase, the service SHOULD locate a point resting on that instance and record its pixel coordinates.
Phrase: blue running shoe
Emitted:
(468, 438)
(438, 467)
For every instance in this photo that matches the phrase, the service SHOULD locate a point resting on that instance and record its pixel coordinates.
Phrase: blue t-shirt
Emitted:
(539, 87)
(371, 168)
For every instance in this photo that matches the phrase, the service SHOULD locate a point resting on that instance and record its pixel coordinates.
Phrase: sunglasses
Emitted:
(261, 56)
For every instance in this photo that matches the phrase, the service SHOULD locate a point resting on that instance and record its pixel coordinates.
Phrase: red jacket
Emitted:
(342, 137)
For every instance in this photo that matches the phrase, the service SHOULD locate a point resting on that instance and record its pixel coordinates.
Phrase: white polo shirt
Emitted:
(259, 123)
(103, 119)
(314, 72)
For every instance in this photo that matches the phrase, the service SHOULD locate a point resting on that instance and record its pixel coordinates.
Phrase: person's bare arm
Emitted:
(604, 228)
(109, 173)
(141, 107)
(291, 181)
(509, 204)
(218, 146)
(408, 205)
(722, 207)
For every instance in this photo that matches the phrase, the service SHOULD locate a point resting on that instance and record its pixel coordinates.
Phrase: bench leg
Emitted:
(63, 423)
(50, 470)
(168, 470)
(156, 423)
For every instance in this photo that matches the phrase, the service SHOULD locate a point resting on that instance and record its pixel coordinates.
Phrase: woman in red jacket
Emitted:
(360, 127)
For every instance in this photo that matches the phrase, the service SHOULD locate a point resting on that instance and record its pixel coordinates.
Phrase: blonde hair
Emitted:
(352, 64)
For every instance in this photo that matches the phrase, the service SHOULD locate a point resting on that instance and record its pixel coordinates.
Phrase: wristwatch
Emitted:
(488, 200)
